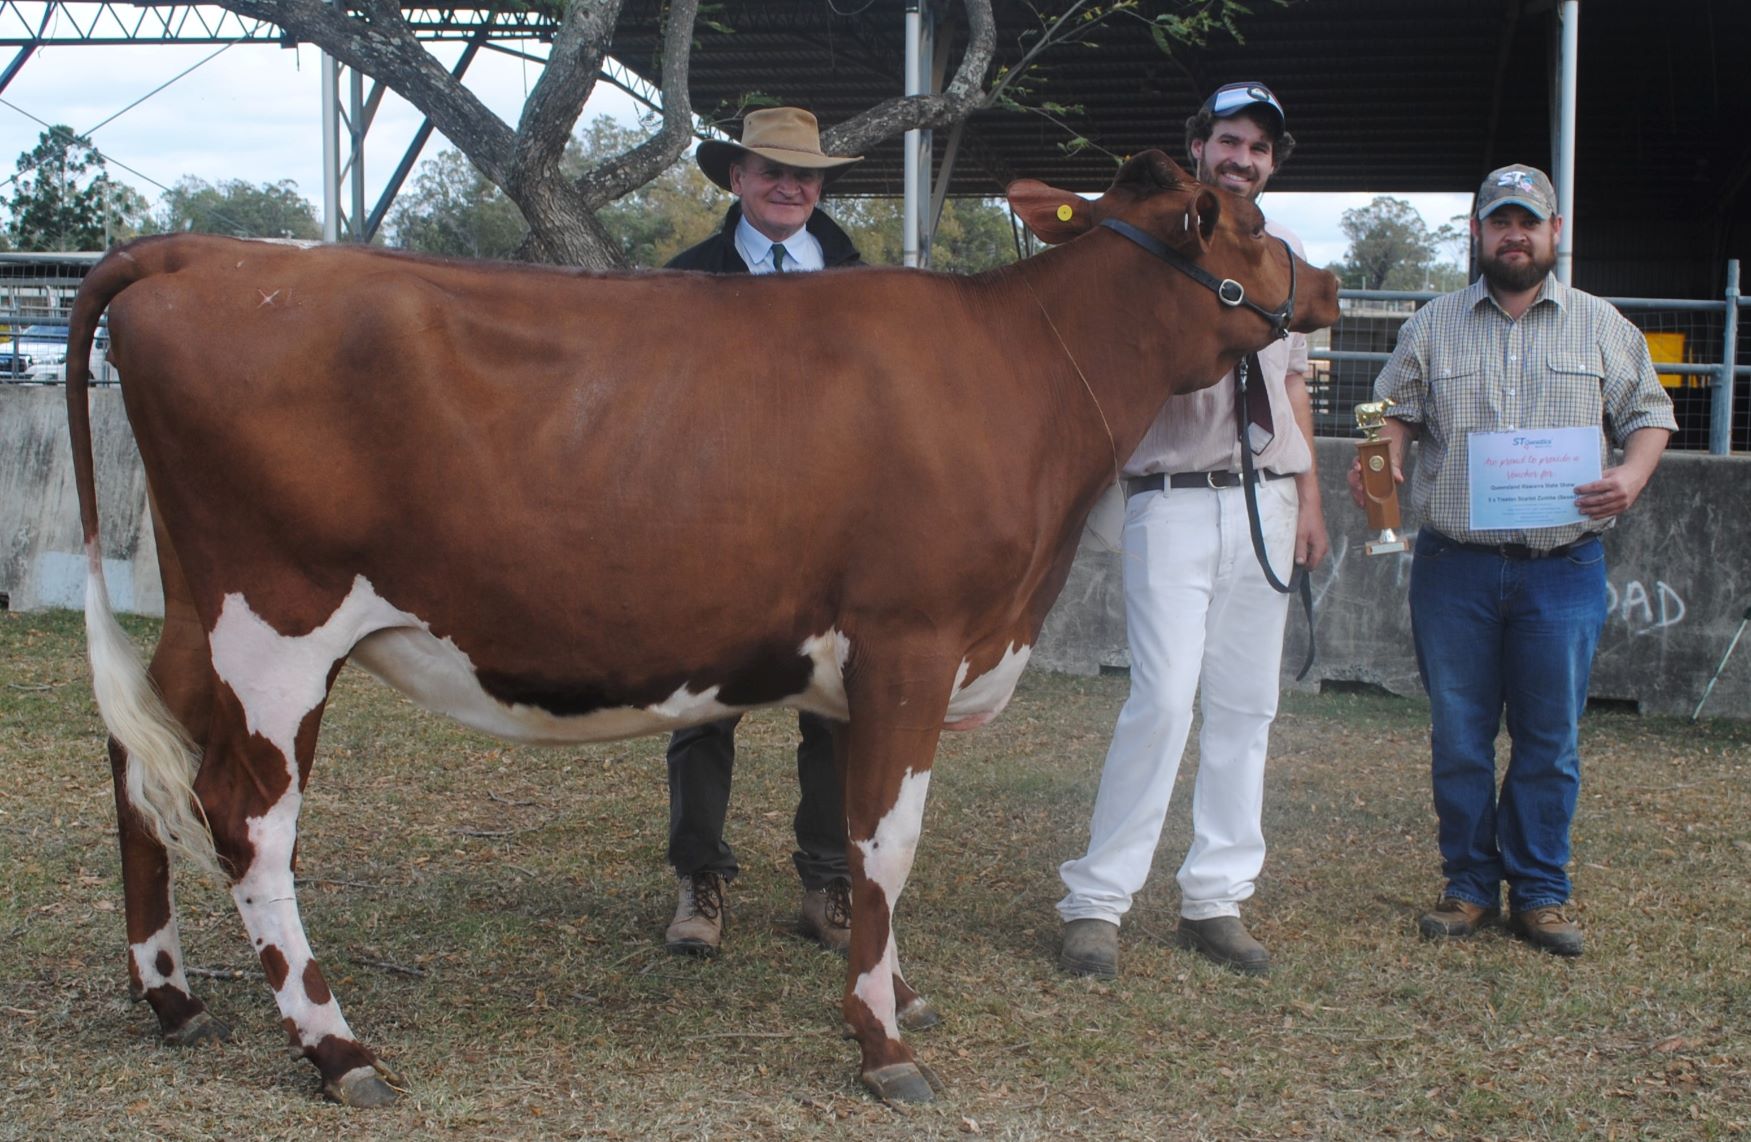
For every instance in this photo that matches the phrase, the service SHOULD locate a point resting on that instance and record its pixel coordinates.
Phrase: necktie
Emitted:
(778, 257)
(1258, 426)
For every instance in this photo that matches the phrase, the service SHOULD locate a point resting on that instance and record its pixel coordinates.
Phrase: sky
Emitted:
(253, 112)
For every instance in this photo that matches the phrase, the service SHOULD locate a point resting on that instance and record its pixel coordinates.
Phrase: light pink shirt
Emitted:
(1196, 432)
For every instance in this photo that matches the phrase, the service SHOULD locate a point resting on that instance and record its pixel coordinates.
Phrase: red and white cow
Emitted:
(562, 506)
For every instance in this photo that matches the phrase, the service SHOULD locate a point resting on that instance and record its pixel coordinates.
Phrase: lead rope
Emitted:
(1112, 445)
(1299, 581)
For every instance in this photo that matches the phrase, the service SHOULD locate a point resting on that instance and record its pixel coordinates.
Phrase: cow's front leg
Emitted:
(890, 742)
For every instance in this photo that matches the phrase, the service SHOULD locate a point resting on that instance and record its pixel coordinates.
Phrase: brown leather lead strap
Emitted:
(1249, 378)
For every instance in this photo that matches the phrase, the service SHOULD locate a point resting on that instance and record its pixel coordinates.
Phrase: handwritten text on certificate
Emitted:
(1527, 477)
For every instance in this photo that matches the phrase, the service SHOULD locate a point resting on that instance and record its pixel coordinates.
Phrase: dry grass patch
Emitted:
(490, 915)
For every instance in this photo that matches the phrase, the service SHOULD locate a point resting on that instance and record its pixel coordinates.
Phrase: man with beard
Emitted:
(1200, 613)
(1507, 617)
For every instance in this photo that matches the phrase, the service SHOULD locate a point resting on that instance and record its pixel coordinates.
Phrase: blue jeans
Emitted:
(1517, 634)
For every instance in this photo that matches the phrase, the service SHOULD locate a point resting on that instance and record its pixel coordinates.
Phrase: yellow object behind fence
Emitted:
(1669, 347)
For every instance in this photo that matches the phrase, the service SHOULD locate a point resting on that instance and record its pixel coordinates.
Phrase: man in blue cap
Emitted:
(1200, 614)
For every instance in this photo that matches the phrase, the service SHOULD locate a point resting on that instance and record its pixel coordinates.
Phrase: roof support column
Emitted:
(1569, 18)
(344, 172)
(330, 84)
(915, 224)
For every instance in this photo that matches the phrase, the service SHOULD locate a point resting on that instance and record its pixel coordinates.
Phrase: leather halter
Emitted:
(1230, 292)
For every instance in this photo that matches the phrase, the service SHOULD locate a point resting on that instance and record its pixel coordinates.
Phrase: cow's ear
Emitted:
(1198, 225)
(1053, 215)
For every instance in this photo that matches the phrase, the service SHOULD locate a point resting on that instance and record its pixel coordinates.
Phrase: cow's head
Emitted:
(1212, 236)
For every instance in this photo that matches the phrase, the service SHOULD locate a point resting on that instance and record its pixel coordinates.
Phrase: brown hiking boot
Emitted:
(1454, 919)
(699, 917)
(826, 916)
(1546, 927)
(1090, 947)
(1225, 940)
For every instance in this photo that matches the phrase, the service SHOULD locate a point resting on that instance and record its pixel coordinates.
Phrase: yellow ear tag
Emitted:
(1064, 213)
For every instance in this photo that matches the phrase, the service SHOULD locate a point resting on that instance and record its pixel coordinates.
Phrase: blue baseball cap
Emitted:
(1232, 98)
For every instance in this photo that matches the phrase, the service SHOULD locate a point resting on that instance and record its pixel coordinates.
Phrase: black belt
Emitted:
(1156, 481)
(1517, 550)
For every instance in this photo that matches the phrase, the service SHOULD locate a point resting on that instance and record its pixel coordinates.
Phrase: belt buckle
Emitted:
(1210, 479)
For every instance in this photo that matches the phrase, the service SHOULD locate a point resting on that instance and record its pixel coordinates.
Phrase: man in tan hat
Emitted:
(777, 173)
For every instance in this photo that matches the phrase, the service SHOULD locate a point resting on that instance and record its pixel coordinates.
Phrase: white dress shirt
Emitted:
(802, 250)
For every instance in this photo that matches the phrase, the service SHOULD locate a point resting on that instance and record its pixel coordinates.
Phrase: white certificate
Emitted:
(1526, 478)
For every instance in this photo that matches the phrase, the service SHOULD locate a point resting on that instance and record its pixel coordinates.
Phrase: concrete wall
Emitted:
(1680, 574)
(1680, 568)
(42, 559)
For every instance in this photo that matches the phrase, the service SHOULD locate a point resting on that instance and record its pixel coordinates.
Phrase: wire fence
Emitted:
(1688, 340)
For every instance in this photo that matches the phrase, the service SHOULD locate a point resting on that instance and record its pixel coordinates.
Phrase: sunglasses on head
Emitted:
(1228, 100)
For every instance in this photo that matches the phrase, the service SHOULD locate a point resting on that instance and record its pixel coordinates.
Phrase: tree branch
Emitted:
(964, 94)
(634, 168)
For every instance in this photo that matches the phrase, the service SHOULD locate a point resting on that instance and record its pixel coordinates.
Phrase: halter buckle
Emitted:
(1231, 292)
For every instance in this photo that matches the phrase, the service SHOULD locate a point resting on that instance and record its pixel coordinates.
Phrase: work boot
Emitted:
(1546, 927)
(1090, 947)
(826, 916)
(699, 917)
(1224, 940)
(1454, 919)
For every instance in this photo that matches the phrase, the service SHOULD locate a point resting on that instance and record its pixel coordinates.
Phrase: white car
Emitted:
(38, 355)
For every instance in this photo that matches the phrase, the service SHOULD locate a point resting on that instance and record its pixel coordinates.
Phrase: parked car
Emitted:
(38, 355)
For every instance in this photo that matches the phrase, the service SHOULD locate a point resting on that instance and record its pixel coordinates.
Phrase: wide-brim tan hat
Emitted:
(787, 135)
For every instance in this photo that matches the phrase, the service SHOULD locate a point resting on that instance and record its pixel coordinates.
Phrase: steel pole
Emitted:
(912, 210)
(330, 149)
(1720, 423)
(1570, 15)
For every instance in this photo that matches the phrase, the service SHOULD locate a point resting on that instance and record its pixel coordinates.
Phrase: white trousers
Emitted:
(1196, 606)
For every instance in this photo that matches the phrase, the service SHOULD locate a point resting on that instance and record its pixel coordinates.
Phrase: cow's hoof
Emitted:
(365, 1087)
(201, 1028)
(903, 1082)
(919, 1015)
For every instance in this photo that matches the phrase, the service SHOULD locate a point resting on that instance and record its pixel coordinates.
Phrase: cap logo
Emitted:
(1517, 179)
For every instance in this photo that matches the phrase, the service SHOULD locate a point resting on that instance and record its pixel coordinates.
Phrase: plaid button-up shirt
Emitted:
(1462, 365)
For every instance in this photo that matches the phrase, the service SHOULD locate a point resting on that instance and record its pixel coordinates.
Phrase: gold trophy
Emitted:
(1379, 491)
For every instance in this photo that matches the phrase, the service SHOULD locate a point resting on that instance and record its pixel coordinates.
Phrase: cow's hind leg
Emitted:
(156, 967)
(251, 785)
(897, 709)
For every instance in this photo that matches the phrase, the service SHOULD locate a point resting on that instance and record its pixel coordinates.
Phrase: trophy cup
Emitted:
(1379, 491)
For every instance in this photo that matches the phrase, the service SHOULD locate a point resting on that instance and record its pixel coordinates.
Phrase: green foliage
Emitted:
(64, 199)
(1391, 247)
(238, 208)
(675, 210)
(453, 209)
(973, 234)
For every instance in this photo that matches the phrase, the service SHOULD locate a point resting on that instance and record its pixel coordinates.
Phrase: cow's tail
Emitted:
(161, 758)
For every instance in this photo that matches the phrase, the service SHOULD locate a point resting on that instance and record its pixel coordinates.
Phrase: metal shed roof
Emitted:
(1389, 95)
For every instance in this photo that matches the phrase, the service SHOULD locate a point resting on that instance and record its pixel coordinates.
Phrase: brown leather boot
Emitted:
(697, 929)
(1547, 928)
(1454, 919)
(1090, 947)
(1225, 940)
(826, 916)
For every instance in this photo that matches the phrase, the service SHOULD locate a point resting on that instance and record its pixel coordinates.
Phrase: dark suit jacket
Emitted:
(717, 254)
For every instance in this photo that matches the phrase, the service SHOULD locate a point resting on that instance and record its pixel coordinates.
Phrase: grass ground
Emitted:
(489, 918)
